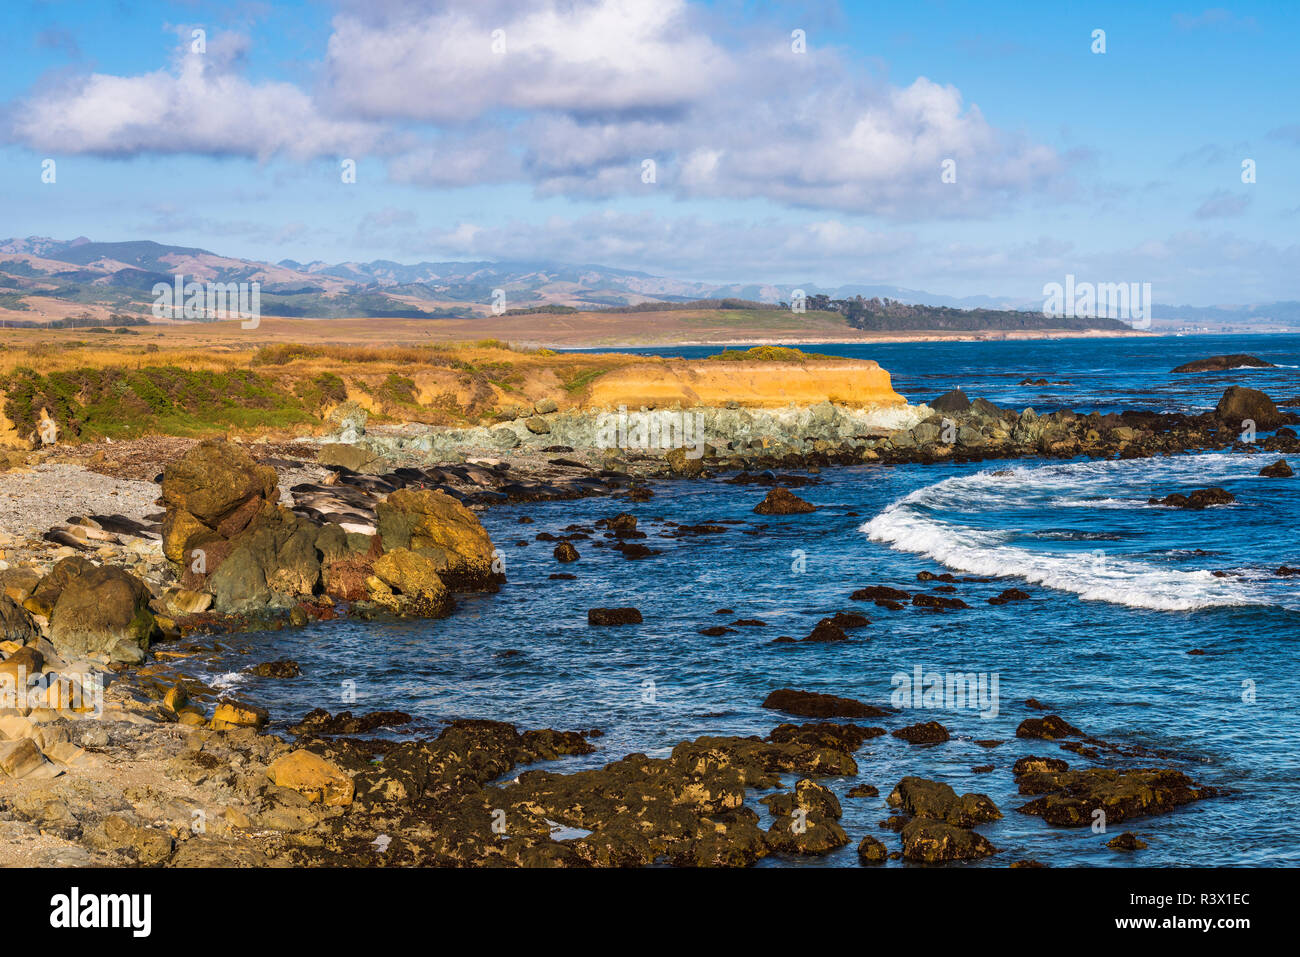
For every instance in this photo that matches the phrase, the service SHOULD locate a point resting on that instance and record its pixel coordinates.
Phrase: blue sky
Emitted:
(771, 165)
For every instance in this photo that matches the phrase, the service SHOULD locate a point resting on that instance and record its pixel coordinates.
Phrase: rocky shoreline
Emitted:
(112, 755)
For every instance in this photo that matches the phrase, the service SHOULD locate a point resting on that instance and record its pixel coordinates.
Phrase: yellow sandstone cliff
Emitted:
(755, 384)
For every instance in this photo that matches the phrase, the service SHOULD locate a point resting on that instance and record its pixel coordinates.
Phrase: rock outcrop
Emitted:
(229, 536)
(435, 525)
(1223, 363)
(1239, 405)
(781, 501)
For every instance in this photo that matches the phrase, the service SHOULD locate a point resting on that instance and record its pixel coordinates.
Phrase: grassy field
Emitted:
(284, 377)
(287, 375)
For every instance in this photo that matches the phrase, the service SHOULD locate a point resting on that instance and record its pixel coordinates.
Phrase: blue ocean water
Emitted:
(1104, 374)
(1120, 592)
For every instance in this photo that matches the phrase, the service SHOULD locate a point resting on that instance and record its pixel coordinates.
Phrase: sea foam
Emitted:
(912, 524)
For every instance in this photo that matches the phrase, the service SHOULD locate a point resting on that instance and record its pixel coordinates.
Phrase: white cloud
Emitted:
(589, 90)
(199, 105)
(582, 56)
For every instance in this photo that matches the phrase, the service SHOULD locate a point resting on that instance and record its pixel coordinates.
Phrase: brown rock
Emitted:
(104, 610)
(613, 616)
(1240, 404)
(929, 732)
(934, 841)
(811, 704)
(1128, 841)
(781, 501)
(872, 851)
(936, 800)
(1049, 728)
(319, 780)
(415, 578)
(236, 714)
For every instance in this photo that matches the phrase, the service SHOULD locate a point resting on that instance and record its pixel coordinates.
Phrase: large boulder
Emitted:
(435, 525)
(103, 611)
(275, 564)
(214, 491)
(1239, 404)
(46, 593)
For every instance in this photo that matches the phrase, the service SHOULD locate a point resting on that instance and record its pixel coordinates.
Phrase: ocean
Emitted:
(1120, 592)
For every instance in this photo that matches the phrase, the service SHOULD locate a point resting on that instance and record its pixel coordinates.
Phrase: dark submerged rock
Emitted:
(613, 616)
(928, 732)
(811, 704)
(1224, 363)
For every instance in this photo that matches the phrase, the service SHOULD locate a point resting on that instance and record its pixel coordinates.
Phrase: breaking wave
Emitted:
(979, 524)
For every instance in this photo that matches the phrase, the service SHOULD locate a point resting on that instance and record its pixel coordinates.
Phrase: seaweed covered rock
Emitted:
(931, 842)
(813, 704)
(1071, 798)
(934, 799)
(872, 851)
(781, 501)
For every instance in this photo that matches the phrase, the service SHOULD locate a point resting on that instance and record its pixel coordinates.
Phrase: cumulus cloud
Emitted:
(581, 56)
(590, 90)
(572, 97)
(199, 104)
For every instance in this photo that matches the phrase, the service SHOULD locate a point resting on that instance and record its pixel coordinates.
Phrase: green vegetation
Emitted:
(767, 354)
(321, 390)
(119, 403)
(578, 380)
(890, 315)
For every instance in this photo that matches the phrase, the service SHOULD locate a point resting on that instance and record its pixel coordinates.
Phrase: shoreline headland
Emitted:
(176, 541)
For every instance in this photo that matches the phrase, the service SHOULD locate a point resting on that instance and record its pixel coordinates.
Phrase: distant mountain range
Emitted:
(48, 280)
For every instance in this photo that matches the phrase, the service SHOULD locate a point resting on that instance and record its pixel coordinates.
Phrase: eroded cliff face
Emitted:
(693, 383)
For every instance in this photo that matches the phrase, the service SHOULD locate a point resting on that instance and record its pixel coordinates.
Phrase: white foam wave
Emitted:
(909, 525)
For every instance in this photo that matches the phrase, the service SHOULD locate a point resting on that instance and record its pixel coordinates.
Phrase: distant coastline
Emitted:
(992, 335)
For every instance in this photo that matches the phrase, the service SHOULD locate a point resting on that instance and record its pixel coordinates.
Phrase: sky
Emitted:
(959, 148)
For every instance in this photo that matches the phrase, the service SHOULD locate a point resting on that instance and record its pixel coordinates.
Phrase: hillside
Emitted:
(48, 282)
